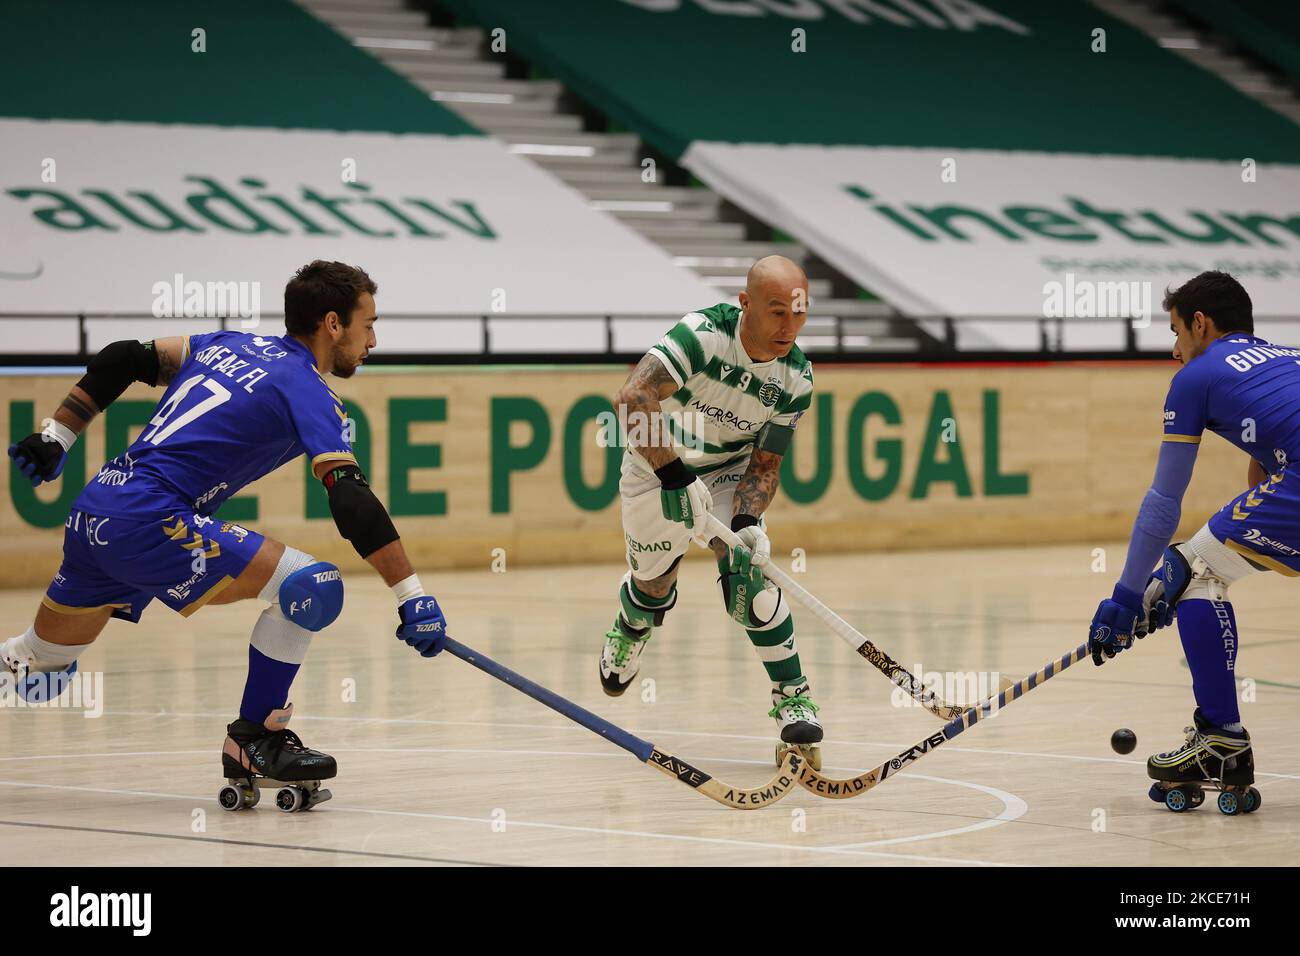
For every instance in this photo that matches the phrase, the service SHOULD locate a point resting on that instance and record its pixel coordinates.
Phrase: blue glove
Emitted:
(423, 626)
(1160, 613)
(39, 457)
(1115, 624)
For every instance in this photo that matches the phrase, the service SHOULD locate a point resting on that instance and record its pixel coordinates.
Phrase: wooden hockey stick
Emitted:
(869, 652)
(738, 798)
(835, 789)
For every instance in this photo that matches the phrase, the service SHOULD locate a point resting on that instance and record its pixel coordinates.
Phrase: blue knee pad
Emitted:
(312, 597)
(1176, 573)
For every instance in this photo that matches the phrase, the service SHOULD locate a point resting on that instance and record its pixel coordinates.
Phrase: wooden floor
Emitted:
(442, 765)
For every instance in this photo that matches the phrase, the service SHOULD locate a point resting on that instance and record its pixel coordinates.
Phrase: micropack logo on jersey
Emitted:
(208, 300)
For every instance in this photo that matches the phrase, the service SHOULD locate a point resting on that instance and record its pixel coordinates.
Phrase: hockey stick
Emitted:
(873, 655)
(738, 798)
(834, 789)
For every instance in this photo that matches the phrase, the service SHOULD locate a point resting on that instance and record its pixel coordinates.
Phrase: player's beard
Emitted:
(344, 367)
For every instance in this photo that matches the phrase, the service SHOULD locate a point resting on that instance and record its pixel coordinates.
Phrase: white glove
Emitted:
(755, 539)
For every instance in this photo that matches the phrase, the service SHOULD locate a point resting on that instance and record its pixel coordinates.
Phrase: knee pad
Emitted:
(640, 615)
(1202, 568)
(769, 608)
(766, 610)
(312, 597)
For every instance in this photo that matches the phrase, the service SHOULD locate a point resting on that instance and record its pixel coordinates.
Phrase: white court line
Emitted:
(574, 828)
(955, 749)
(1013, 808)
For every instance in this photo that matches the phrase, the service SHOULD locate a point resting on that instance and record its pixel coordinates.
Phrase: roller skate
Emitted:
(620, 657)
(796, 716)
(1211, 757)
(35, 687)
(270, 755)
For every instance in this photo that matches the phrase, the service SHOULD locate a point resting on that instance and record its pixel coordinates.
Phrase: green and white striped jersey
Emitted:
(724, 397)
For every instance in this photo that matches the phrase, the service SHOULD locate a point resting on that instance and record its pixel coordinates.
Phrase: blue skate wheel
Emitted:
(1253, 800)
(46, 686)
(1176, 800)
(1156, 793)
(1229, 804)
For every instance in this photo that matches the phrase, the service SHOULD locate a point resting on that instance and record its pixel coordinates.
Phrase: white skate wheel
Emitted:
(289, 799)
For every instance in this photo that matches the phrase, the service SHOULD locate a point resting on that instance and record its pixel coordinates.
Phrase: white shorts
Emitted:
(654, 542)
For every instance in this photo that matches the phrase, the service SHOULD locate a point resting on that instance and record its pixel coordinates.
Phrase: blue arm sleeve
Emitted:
(1157, 519)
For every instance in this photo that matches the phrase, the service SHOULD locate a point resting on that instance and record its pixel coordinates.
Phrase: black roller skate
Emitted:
(257, 755)
(1211, 757)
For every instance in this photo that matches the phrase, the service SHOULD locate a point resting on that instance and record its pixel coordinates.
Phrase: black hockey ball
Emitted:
(1123, 741)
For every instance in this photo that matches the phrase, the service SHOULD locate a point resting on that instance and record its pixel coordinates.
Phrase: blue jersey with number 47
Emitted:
(240, 406)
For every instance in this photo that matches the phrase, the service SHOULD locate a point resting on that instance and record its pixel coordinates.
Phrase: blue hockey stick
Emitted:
(738, 798)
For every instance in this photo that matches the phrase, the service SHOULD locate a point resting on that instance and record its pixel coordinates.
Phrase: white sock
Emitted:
(279, 638)
(1235, 728)
(43, 655)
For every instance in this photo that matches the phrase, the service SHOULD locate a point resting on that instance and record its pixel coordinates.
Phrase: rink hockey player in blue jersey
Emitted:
(236, 407)
(1246, 390)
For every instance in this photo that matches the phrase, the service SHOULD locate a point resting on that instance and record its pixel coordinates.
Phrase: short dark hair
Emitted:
(1217, 295)
(321, 287)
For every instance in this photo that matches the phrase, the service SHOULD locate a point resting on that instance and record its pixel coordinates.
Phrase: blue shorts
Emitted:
(124, 564)
(1263, 524)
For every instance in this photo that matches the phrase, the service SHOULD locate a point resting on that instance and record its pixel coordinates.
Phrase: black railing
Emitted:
(832, 339)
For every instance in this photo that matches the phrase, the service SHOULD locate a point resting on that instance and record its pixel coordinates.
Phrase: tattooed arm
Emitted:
(757, 486)
(640, 414)
(113, 369)
(41, 456)
(172, 353)
(754, 493)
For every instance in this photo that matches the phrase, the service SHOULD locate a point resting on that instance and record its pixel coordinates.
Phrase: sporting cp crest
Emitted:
(770, 392)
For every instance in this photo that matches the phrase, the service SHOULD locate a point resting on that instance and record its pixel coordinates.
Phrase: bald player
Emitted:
(708, 414)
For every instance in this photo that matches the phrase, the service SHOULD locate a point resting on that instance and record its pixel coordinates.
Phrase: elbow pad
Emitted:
(116, 366)
(358, 514)
(1159, 514)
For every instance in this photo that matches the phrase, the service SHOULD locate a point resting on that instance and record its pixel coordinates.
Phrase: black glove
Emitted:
(39, 457)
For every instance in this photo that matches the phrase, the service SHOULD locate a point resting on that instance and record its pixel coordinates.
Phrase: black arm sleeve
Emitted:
(358, 514)
(116, 366)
